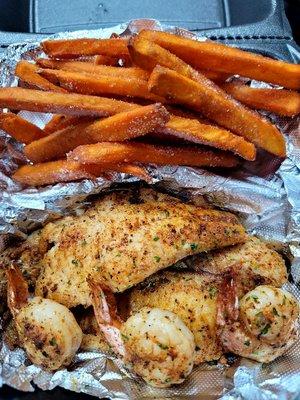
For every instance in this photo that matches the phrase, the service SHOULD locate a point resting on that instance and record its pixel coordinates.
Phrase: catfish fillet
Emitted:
(253, 263)
(124, 238)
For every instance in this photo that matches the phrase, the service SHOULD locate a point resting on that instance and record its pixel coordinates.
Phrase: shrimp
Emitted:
(153, 343)
(266, 326)
(47, 330)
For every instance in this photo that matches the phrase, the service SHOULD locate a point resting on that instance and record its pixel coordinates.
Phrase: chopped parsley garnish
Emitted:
(194, 246)
(52, 342)
(212, 292)
(275, 312)
(124, 337)
(265, 330)
(157, 258)
(156, 238)
(163, 346)
(247, 343)
(76, 262)
(255, 298)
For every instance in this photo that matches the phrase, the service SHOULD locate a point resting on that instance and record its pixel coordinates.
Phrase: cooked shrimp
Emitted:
(266, 327)
(153, 343)
(47, 330)
(159, 346)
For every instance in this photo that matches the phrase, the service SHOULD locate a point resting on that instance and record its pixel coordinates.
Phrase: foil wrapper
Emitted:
(266, 196)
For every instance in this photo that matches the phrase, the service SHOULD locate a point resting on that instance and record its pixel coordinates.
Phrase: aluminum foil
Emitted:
(266, 196)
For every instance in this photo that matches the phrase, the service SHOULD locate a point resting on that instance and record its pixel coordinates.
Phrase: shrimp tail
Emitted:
(227, 302)
(105, 309)
(17, 289)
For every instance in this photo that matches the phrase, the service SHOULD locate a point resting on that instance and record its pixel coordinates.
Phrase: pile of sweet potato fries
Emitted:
(155, 98)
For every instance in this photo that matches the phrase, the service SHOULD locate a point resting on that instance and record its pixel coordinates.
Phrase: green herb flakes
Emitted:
(265, 330)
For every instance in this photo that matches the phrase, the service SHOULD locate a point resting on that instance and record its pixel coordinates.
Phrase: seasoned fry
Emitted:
(66, 171)
(54, 123)
(28, 73)
(105, 60)
(19, 128)
(92, 69)
(150, 154)
(52, 172)
(197, 132)
(120, 127)
(109, 85)
(61, 103)
(148, 55)
(73, 48)
(215, 76)
(282, 102)
(220, 57)
(217, 106)
(59, 122)
(131, 169)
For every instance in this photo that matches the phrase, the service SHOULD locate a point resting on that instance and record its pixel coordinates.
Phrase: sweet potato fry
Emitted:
(92, 69)
(147, 55)
(215, 76)
(282, 102)
(217, 106)
(59, 122)
(106, 60)
(131, 169)
(151, 154)
(99, 85)
(19, 128)
(85, 47)
(120, 127)
(67, 171)
(197, 132)
(52, 172)
(28, 73)
(54, 123)
(220, 57)
(61, 103)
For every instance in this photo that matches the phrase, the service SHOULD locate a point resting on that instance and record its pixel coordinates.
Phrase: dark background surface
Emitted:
(293, 13)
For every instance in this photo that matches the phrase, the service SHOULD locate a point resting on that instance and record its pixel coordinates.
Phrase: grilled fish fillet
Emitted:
(253, 263)
(190, 295)
(122, 239)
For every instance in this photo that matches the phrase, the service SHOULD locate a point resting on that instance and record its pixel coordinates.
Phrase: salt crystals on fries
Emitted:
(17, 127)
(217, 106)
(92, 134)
(120, 127)
(151, 154)
(220, 57)
(85, 47)
(67, 171)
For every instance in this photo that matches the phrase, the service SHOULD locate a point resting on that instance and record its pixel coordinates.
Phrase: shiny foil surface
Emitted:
(266, 196)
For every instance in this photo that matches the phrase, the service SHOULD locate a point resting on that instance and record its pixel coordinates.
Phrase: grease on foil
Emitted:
(265, 194)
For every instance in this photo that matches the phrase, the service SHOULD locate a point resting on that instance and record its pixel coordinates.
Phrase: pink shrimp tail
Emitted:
(105, 309)
(227, 306)
(17, 289)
